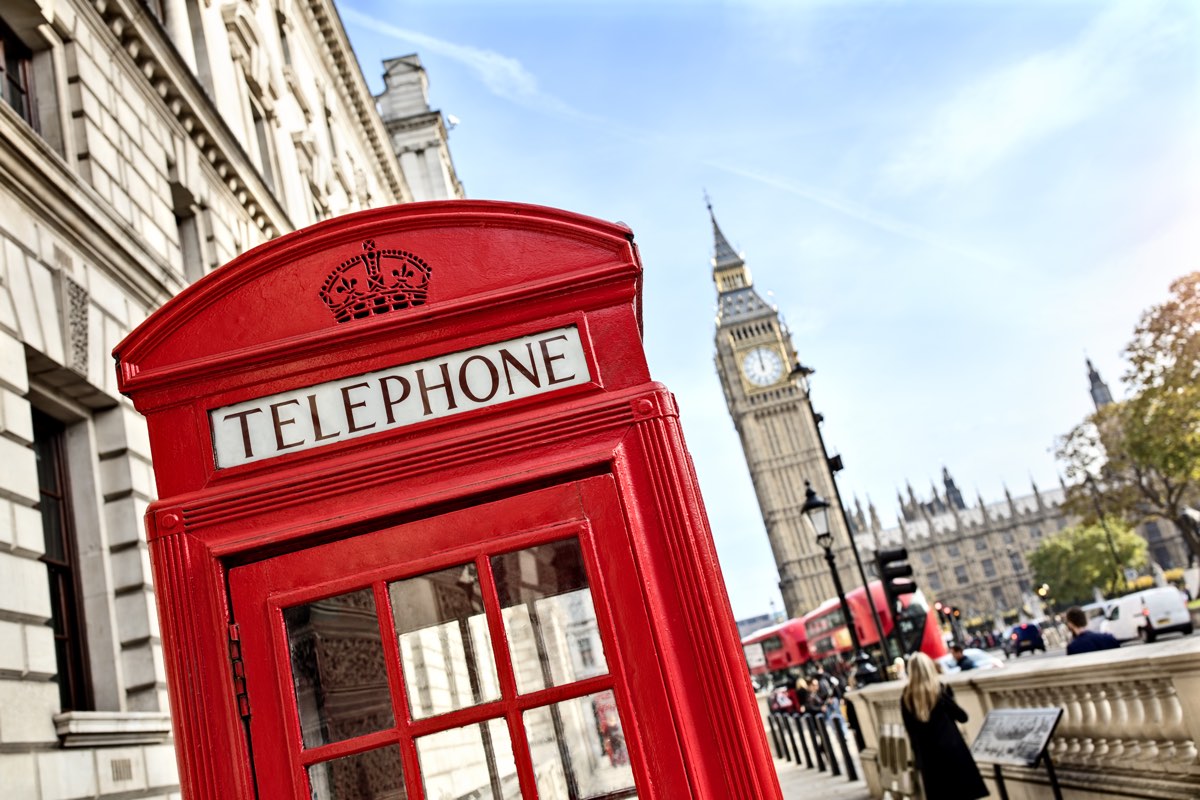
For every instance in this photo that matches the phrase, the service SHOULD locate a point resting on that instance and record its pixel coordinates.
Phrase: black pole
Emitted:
(789, 738)
(795, 718)
(816, 738)
(862, 573)
(1053, 777)
(851, 773)
(773, 725)
(837, 584)
(823, 727)
(1000, 787)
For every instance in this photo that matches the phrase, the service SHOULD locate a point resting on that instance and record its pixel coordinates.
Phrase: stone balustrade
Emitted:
(1130, 724)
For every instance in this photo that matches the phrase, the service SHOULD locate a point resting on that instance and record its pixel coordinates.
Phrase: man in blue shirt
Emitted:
(1086, 640)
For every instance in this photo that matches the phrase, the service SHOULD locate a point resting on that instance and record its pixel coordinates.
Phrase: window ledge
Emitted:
(112, 728)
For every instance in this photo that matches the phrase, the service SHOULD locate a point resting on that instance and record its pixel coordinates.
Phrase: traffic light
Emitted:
(896, 574)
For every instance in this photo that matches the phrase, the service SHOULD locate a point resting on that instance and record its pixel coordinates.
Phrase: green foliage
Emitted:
(1140, 458)
(1078, 558)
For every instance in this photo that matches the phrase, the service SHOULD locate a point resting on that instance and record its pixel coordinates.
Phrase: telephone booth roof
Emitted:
(263, 306)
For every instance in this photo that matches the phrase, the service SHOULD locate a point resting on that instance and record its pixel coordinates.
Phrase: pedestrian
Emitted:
(948, 771)
(960, 659)
(1086, 640)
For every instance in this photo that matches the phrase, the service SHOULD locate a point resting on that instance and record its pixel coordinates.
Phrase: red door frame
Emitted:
(253, 328)
(263, 589)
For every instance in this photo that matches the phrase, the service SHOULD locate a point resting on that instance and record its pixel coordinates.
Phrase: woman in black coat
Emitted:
(948, 771)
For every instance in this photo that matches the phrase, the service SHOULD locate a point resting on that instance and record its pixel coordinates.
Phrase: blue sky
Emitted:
(951, 203)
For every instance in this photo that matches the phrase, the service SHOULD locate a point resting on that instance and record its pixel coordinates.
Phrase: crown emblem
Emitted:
(375, 282)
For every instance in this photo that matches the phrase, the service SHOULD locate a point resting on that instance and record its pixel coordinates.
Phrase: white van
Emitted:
(1147, 614)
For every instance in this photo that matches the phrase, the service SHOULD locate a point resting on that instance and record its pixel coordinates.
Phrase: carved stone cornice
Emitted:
(142, 38)
(39, 177)
(353, 89)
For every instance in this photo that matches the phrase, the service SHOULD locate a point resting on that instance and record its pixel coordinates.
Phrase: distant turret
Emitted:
(954, 497)
(1101, 396)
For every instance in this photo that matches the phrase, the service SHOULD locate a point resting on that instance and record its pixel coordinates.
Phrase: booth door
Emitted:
(500, 651)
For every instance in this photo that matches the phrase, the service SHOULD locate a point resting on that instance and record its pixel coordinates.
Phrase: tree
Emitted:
(1079, 558)
(1140, 458)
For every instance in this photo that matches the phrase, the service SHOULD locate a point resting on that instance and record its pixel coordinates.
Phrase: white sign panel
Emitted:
(755, 657)
(302, 419)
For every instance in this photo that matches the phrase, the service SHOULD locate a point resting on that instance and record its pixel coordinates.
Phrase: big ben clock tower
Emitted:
(771, 411)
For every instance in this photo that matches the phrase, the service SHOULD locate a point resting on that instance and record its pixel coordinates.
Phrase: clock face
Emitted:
(762, 366)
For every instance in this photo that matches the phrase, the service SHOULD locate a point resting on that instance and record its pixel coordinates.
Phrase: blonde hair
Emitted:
(924, 686)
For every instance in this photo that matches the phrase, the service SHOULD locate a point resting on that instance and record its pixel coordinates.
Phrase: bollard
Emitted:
(773, 725)
(803, 742)
(783, 720)
(823, 727)
(851, 772)
(818, 750)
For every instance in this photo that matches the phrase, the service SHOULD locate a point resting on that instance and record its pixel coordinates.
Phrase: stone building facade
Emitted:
(142, 144)
(971, 556)
(781, 439)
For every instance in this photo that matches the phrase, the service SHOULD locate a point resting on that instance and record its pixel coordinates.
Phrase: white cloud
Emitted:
(503, 75)
(865, 215)
(1003, 112)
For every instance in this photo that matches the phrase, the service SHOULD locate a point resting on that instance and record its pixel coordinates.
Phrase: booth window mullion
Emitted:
(507, 677)
(414, 786)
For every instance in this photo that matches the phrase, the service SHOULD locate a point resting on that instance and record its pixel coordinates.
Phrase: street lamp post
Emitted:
(802, 372)
(816, 508)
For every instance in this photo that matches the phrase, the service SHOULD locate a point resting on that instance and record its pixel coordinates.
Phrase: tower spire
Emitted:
(1101, 396)
(724, 256)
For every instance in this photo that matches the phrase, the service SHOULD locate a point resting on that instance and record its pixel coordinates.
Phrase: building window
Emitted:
(960, 574)
(16, 61)
(980, 544)
(587, 656)
(926, 557)
(989, 568)
(1008, 537)
(62, 564)
(998, 596)
(935, 581)
(953, 550)
(1035, 533)
(1015, 560)
(284, 47)
(262, 135)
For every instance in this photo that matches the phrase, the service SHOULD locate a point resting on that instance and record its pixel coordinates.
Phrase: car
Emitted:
(979, 658)
(1024, 637)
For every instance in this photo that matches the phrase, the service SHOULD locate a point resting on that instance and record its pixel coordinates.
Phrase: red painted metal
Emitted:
(602, 460)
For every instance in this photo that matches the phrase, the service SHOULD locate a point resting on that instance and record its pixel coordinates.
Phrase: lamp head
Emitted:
(816, 508)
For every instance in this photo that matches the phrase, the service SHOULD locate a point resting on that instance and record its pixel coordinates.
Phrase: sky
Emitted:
(952, 204)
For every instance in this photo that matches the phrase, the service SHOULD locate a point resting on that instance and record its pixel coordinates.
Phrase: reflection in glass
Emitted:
(337, 668)
(444, 644)
(578, 749)
(474, 762)
(549, 615)
(373, 775)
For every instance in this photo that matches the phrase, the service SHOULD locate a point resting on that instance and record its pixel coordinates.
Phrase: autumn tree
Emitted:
(1082, 557)
(1140, 458)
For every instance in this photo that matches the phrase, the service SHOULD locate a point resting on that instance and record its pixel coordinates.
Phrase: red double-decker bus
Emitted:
(828, 636)
(773, 652)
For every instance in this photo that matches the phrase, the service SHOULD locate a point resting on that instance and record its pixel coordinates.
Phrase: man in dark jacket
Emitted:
(1086, 640)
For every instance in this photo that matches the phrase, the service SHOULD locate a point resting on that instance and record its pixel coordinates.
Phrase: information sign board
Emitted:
(1015, 736)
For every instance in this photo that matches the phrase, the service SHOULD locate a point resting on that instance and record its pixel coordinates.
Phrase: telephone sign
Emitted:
(428, 529)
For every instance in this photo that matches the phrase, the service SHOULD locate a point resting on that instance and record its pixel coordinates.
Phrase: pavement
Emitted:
(801, 783)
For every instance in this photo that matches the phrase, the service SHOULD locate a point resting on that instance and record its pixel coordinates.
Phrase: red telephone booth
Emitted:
(426, 528)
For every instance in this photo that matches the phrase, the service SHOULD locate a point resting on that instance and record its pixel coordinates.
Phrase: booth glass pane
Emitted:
(549, 615)
(474, 761)
(578, 749)
(373, 775)
(338, 669)
(445, 649)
